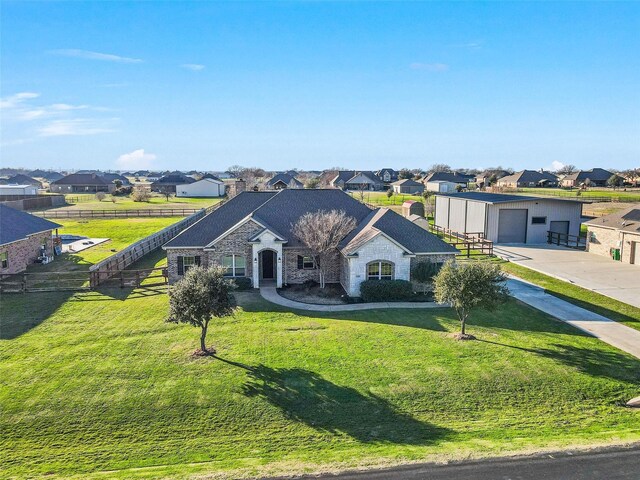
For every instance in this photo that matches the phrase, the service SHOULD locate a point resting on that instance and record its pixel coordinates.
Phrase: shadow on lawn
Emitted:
(594, 362)
(306, 397)
(20, 312)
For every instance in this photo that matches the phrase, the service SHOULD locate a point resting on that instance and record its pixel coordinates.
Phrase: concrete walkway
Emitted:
(270, 294)
(614, 333)
(594, 272)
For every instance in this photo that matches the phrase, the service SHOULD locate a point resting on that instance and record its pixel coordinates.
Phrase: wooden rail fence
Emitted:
(151, 212)
(469, 244)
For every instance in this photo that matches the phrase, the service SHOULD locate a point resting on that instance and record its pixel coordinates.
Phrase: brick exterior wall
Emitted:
(431, 258)
(234, 243)
(601, 240)
(22, 253)
(294, 275)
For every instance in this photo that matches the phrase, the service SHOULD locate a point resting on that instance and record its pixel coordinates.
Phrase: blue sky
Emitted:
(312, 85)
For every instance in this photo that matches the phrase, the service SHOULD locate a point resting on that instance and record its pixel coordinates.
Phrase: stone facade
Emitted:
(601, 240)
(235, 243)
(379, 248)
(22, 253)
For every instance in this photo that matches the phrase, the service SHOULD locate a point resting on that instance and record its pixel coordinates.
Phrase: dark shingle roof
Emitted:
(595, 174)
(81, 179)
(285, 208)
(21, 179)
(502, 197)
(411, 236)
(284, 178)
(279, 211)
(530, 176)
(174, 179)
(16, 225)
(220, 220)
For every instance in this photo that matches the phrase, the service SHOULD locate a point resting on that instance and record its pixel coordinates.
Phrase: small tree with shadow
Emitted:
(201, 295)
(470, 285)
(424, 272)
(321, 233)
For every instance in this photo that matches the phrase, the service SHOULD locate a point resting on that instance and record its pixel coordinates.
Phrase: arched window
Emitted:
(234, 265)
(380, 270)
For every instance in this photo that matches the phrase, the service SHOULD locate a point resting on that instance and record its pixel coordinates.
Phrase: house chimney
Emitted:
(239, 186)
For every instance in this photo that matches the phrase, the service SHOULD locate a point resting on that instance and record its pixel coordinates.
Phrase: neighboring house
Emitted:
(23, 239)
(141, 173)
(251, 236)
(387, 175)
(407, 186)
(483, 179)
(506, 218)
(112, 177)
(441, 186)
(168, 183)
(616, 236)
(21, 179)
(21, 190)
(357, 180)
(283, 180)
(454, 177)
(50, 176)
(82, 183)
(207, 187)
(154, 176)
(597, 178)
(529, 178)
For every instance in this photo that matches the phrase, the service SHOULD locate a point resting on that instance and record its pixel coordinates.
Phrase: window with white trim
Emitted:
(380, 271)
(187, 263)
(234, 265)
(308, 263)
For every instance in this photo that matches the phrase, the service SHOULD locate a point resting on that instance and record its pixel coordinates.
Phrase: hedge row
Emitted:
(386, 290)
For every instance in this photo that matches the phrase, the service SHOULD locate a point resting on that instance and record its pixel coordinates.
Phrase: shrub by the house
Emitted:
(386, 290)
(242, 283)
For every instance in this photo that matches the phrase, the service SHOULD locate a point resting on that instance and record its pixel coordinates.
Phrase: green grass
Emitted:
(89, 202)
(632, 194)
(381, 199)
(595, 302)
(97, 385)
(122, 232)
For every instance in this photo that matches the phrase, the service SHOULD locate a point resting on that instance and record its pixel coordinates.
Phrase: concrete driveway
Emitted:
(593, 272)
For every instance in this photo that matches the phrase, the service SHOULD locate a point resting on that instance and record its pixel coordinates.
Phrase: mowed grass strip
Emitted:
(122, 232)
(98, 382)
(156, 202)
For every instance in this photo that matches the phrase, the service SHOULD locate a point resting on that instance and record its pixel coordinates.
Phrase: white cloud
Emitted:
(555, 166)
(15, 100)
(430, 67)
(194, 67)
(89, 55)
(135, 160)
(76, 126)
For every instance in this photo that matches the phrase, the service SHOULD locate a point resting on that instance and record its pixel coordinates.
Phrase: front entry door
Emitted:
(268, 265)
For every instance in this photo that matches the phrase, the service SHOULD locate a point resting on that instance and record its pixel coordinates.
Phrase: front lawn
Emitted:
(96, 385)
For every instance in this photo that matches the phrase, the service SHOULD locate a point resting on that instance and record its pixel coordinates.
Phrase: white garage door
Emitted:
(512, 226)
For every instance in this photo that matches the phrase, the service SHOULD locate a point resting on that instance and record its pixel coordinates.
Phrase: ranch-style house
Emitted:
(251, 236)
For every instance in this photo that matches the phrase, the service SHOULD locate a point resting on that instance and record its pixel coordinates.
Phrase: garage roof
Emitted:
(502, 197)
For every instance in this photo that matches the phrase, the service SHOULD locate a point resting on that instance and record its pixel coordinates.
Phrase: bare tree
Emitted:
(566, 170)
(321, 232)
(439, 167)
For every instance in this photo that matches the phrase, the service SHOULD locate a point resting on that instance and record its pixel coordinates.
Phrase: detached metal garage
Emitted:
(504, 218)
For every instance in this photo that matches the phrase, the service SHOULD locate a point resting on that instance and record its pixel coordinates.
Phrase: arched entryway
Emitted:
(268, 265)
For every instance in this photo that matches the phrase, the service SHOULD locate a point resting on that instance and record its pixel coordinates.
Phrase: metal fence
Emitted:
(573, 241)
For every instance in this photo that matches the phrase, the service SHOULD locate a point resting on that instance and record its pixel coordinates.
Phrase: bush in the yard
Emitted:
(386, 290)
(100, 196)
(424, 272)
(242, 283)
(140, 194)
